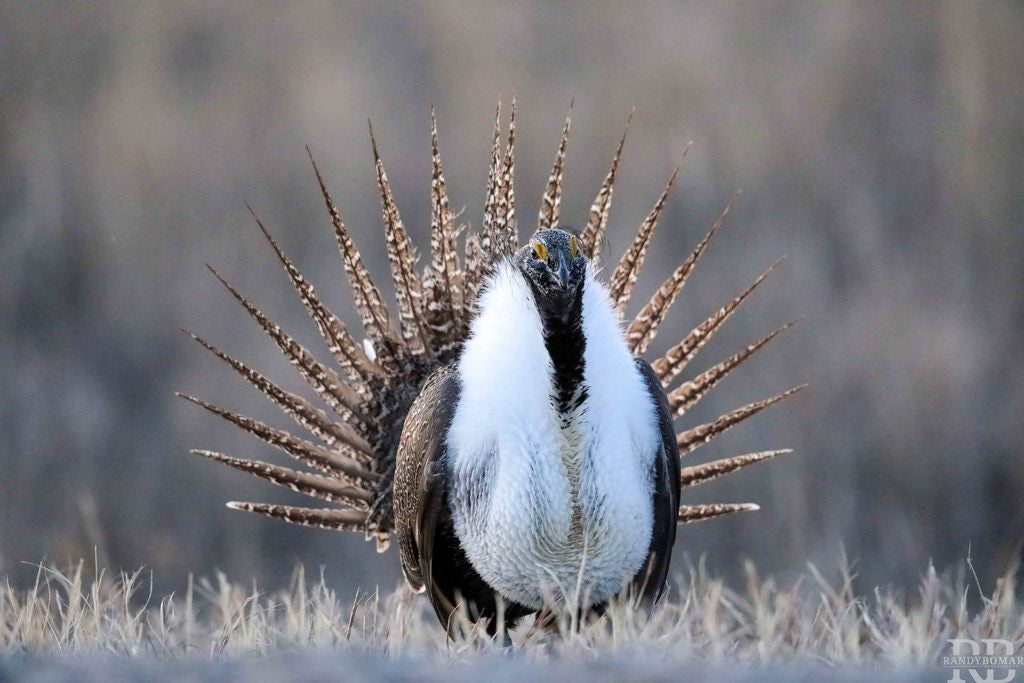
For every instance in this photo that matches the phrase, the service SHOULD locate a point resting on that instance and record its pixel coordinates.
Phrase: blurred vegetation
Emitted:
(880, 146)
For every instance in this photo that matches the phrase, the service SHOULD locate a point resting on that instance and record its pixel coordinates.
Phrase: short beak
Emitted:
(563, 269)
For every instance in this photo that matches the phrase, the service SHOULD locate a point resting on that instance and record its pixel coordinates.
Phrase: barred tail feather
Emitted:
(322, 518)
(313, 485)
(699, 474)
(506, 237)
(678, 357)
(443, 247)
(338, 462)
(402, 259)
(698, 513)
(367, 297)
(689, 393)
(314, 420)
(488, 231)
(622, 281)
(475, 259)
(645, 326)
(694, 438)
(332, 389)
(346, 351)
(597, 222)
(551, 204)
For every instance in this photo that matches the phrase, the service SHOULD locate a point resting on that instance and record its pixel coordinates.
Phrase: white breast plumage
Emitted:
(511, 459)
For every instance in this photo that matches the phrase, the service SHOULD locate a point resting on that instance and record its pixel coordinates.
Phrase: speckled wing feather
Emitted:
(420, 480)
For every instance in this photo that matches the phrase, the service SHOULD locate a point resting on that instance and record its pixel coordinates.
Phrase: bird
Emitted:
(504, 427)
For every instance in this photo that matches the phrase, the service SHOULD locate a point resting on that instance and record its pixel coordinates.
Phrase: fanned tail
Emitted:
(352, 454)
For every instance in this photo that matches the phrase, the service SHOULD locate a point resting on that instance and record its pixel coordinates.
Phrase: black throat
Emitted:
(565, 343)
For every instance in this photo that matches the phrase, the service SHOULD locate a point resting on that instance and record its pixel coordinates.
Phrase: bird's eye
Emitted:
(539, 251)
(573, 248)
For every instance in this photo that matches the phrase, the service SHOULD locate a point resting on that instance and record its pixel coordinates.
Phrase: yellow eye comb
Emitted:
(540, 250)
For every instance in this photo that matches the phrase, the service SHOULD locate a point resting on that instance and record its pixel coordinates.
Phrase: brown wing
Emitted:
(432, 557)
(420, 474)
(650, 582)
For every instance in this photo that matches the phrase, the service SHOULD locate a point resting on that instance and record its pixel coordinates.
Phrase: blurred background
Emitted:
(879, 146)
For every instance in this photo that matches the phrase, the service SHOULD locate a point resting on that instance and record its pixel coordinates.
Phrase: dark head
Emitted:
(553, 264)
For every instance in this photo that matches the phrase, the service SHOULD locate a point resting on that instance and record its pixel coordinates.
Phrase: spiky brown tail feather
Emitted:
(354, 455)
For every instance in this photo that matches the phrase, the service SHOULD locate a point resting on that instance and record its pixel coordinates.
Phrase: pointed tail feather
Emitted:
(507, 239)
(645, 326)
(552, 202)
(597, 222)
(402, 259)
(699, 474)
(342, 346)
(698, 513)
(694, 438)
(338, 463)
(488, 230)
(622, 281)
(313, 485)
(676, 358)
(368, 299)
(342, 398)
(321, 518)
(445, 257)
(314, 420)
(689, 393)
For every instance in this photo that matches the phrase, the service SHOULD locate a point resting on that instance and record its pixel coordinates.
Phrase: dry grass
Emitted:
(815, 622)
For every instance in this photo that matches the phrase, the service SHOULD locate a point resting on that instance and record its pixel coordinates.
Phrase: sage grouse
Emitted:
(503, 425)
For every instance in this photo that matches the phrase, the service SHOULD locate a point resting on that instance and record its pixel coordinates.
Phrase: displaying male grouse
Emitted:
(505, 428)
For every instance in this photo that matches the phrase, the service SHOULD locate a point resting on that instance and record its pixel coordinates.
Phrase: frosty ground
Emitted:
(78, 624)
